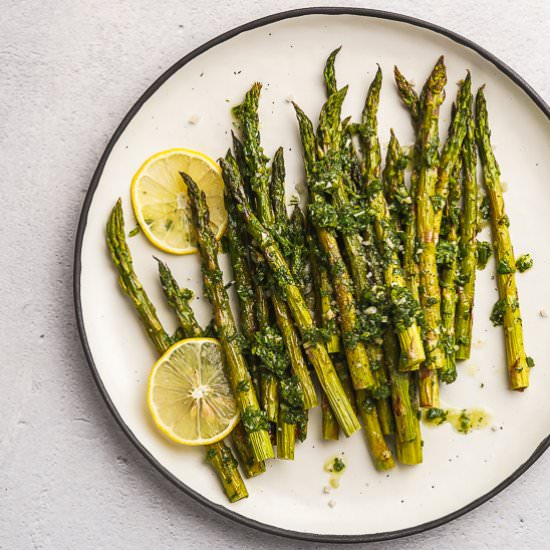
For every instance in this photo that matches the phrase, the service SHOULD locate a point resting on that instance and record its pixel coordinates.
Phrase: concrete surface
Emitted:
(69, 478)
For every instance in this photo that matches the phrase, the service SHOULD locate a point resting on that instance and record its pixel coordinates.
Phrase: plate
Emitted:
(189, 106)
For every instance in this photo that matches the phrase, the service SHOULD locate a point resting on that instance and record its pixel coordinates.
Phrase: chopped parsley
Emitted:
(484, 251)
(504, 267)
(243, 386)
(524, 262)
(338, 465)
(446, 253)
(484, 209)
(254, 420)
(436, 415)
(497, 315)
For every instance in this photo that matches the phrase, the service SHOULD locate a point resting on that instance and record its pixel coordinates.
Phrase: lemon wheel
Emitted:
(189, 395)
(161, 204)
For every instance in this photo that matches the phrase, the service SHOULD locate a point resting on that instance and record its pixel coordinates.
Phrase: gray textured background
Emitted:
(69, 478)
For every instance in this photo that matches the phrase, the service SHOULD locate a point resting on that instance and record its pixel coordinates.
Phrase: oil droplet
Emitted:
(335, 466)
(462, 420)
(471, 369)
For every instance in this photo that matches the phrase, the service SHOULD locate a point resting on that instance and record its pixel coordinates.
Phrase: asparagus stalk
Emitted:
(508, 304)
(254, 420)
(356, 353)
(408, 96)
(405, 427)
(410, 452)
(314, 347)
(450, 154)
(298, 260)
(430, 297)
(243, 448)
(218, 454)
(333, 141)
(404, 305)
(383, 392)
(329, 73)
(467, 247)
(295, 257)
(248, 163)
(244, 286)
(220, 457)
(410, 253)
(326, 305)
(380, 452)
(428, 378)
(326, 316)
(447, 250)
(178, 299)
(329, 425)
(398, 195)
(122, 258)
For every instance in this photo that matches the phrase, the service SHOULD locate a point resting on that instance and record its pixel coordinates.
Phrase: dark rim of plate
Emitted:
(371, 537)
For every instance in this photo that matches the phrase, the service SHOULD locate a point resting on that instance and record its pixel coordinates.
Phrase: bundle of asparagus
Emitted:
(367, 288)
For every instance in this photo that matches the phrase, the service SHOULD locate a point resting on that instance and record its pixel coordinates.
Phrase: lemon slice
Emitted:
(161, 203)
(189, 395)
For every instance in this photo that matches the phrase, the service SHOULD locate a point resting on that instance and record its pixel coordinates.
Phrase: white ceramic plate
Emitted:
(287, 53)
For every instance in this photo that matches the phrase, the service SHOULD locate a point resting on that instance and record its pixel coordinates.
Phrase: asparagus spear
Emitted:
(334, 141)
(326, 305)
(430, 297)
(329, 425)
(380, 452)
(404, 305)
(244, 286)
(507, 307)
(467, 247)
(218, 454)
(298, 260)
(254, 168)
(408, 95)
(428, 378)
(294, 256)
(326, 315)
(450, 154)
(355, 350)
(410, 252)
(243, 448)
(329, 73)
(400, 391)
(269, 396)
(397, 194)
(433, 198)
(178, 299)
(314, 347)
(122, 258)
(254, 420)
(220, 457)
(410, 452)
(447, 257)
